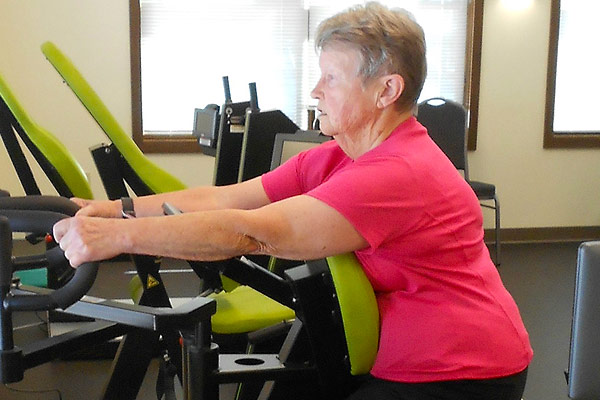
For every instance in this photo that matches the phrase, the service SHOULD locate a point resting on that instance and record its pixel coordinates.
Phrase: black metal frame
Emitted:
(115, 171)
(116, 319)
(325, 366)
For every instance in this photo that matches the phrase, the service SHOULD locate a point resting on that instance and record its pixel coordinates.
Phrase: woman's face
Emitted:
(347, 108)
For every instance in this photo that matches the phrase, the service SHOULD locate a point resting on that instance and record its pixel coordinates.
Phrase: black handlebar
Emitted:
(39, 222)
(39, 202)
(53, 259)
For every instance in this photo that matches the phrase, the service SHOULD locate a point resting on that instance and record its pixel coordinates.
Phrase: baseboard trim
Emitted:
(549, 234)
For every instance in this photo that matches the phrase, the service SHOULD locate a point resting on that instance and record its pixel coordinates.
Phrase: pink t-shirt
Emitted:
(445, 314)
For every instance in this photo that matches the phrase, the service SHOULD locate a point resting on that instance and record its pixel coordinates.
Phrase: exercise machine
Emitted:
(333, 337)
(114, 318)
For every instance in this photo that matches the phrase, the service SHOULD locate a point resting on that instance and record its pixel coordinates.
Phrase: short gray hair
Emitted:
(389, 41)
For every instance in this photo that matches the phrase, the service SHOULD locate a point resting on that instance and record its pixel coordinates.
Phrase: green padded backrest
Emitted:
(157, 179)
(360, 313)
(51, 148)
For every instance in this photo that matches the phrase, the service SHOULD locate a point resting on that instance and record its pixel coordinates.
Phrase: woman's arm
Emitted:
(245, 195)
(298, 228)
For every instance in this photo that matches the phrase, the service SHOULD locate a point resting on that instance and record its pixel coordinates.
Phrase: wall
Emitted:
(537, 187)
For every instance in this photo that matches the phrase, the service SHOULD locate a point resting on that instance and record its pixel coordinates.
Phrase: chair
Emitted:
(584, 355)
(446, 123)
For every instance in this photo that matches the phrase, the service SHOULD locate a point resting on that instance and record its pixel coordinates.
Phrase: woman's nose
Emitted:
(316, 92)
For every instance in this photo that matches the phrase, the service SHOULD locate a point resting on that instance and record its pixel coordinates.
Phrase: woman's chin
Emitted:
(325, 128)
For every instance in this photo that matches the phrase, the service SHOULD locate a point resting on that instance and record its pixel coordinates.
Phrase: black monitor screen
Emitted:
(288, 145)
(206, 122)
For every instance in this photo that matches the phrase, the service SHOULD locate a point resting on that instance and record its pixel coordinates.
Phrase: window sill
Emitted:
(167, 143)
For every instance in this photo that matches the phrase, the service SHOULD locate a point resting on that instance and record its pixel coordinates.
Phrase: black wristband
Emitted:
(127, 207)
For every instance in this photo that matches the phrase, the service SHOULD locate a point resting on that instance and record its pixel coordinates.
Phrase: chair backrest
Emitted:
(157, 179)
(65, 173)
(446, 123)
(360, 314)
(584, 357)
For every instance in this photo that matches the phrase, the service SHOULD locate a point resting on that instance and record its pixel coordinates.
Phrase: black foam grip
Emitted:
(62, 298)
(41, 222)
(34, 221)
(47, 203)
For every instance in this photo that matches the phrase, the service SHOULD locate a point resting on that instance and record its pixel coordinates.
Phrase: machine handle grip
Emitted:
(39, 202)
(73, 291)
(39, 222)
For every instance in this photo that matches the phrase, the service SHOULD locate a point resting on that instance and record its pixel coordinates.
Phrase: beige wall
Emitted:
(537, 187)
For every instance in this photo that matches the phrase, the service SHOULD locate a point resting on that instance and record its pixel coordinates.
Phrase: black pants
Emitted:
(507, 388)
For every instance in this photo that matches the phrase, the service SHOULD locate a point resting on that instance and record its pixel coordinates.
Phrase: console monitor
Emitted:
(206, 127)
(289, 144)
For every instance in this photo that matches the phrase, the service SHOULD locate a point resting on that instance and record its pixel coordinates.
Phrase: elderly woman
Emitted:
(382, 189)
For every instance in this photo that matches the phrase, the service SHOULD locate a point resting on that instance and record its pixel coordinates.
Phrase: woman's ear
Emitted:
(391, 89)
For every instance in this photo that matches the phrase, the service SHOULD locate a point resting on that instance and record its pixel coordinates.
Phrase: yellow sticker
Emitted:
(152, 281)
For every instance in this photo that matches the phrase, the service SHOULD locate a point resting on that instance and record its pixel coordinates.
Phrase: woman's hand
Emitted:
(98, 208)
(85, 239)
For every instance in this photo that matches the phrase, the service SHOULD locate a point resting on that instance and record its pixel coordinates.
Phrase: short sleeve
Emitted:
(303, 171)
(378, 198)
(282, 182)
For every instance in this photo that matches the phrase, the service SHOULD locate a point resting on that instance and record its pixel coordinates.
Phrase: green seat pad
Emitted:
(245, 310)
(240, 311)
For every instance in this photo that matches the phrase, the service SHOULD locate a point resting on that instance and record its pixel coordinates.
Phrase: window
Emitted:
(573, 84)
(181, 49)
